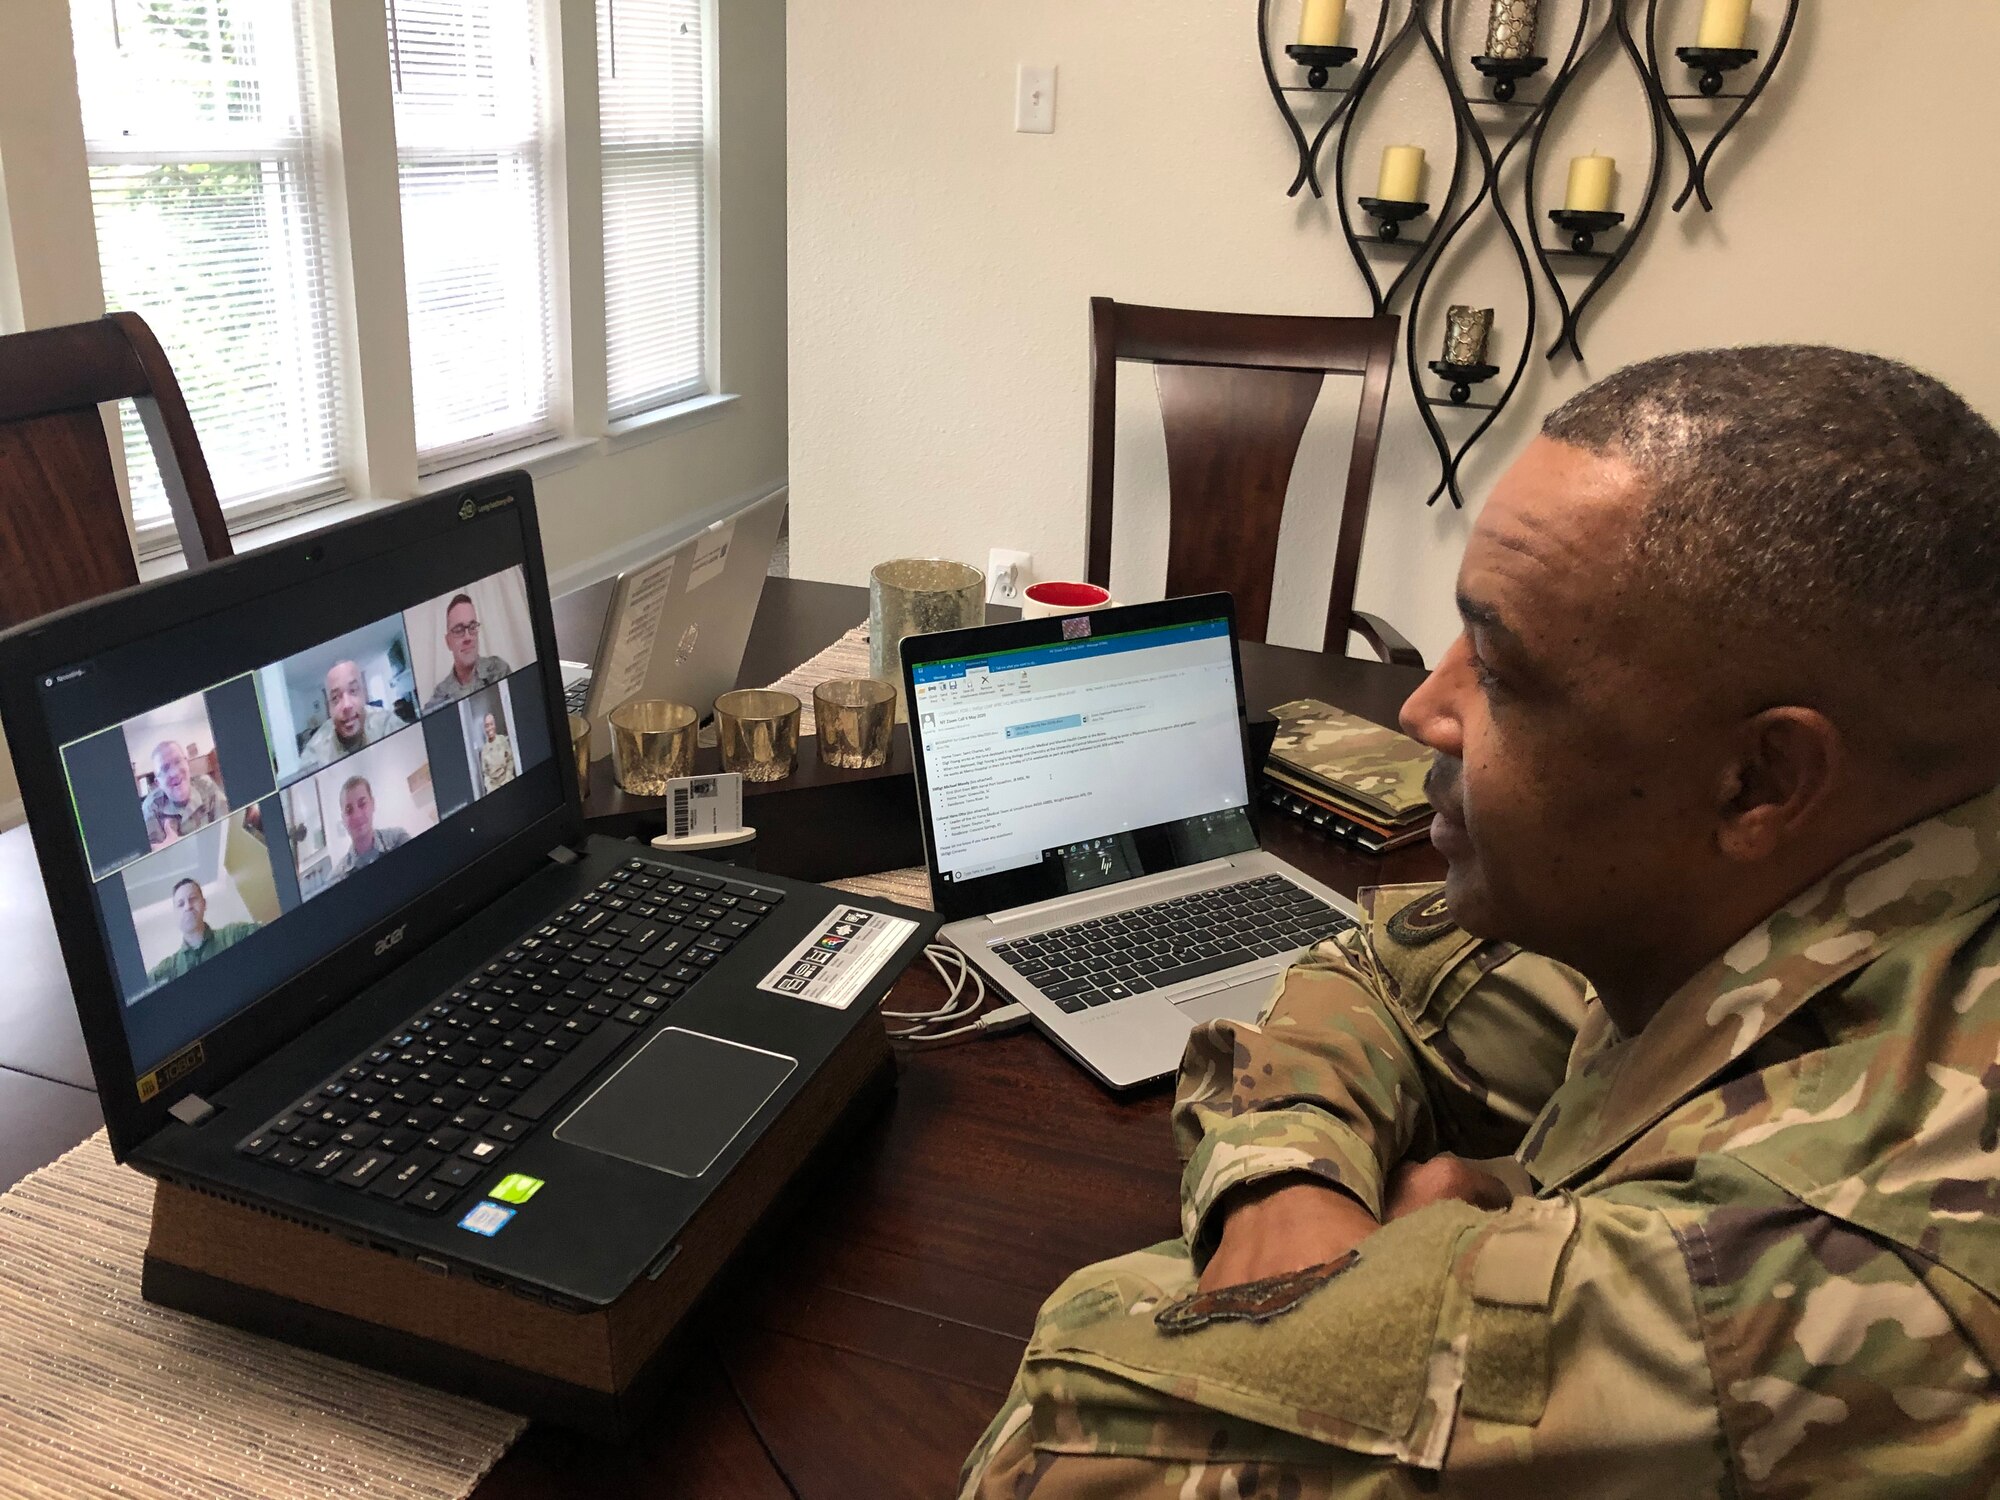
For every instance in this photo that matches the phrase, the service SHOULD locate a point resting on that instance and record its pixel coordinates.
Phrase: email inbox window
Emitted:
(1052, 747)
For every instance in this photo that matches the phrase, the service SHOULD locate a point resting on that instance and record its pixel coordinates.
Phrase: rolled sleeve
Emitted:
(1373, 1051)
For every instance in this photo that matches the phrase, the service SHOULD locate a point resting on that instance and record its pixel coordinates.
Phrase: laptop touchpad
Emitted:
(678, 1102)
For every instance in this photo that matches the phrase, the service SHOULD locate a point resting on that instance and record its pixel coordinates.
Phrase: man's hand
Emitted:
(1416, 1185)
(1286, 1227)
(1297, 1223)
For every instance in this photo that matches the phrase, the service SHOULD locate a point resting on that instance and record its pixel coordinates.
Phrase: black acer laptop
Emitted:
(340, 946)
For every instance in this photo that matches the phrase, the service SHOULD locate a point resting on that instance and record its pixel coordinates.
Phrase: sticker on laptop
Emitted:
(838, 957)
(711, 555)
(515, 1187)
(487, 1218)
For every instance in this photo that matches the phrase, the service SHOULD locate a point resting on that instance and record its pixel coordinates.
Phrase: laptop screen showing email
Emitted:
(1059, 767)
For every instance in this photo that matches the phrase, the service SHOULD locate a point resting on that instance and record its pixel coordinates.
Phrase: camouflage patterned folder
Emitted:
(1352, 759)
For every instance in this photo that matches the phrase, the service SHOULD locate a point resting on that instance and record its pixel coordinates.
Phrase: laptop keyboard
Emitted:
(576, 695)
(1113, 958)
(419, 1116)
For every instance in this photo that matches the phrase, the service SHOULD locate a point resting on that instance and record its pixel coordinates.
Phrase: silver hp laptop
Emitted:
(1085, 789)
(673, 627)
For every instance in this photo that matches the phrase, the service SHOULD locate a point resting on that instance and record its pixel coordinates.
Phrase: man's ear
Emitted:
(1788, 762)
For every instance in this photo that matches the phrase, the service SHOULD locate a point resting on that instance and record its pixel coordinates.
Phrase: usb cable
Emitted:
(965, 993)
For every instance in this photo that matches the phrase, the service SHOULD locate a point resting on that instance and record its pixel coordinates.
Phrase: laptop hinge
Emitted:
(191, 1110)
(563, 855)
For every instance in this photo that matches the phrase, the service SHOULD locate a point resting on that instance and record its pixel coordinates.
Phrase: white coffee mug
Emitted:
(1045, 599)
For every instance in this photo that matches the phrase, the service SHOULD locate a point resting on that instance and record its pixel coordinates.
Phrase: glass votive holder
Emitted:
(579, 748)
(652, 742)
(855, 717)
(757, 730)
(915, 596)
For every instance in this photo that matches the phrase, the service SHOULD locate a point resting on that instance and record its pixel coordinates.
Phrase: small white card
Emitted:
(698, 806)
(841, 955)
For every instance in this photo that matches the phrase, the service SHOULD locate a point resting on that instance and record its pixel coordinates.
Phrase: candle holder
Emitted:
(1584, 225)
(1506, 72)
(1389, 215)
(1463, 377)
(1319, 62)
(1714, 62)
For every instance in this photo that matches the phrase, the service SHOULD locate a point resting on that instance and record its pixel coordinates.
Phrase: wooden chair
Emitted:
(1236, 390)
(63, 537)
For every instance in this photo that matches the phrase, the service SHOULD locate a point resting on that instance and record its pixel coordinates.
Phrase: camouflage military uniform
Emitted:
(1762, 1258)
(325, 746)
(486, 671)
(205, 805)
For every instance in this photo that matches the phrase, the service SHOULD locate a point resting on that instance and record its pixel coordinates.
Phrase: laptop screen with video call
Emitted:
(1061, 767)
(254, 788)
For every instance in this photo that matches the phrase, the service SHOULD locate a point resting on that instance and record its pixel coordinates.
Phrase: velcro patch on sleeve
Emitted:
(1518, 1258)
(1414, 941)
(1516, 1264)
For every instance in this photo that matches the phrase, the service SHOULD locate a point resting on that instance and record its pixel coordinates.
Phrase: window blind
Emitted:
(203, 135)
(472, 156)
(652, 120)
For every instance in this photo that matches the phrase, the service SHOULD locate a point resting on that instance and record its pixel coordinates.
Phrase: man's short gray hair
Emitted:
(1814, 494)
(351, 783)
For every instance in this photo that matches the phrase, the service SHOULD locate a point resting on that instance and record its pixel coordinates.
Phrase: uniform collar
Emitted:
(1930, 872)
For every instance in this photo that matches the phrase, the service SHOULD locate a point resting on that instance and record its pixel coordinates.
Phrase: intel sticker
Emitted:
(487, 1219)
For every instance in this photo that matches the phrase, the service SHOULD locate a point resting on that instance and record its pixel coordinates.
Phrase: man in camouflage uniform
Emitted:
(352, 723)
(469, 670)
(199, 941)
(1722, 734)
(181, 800)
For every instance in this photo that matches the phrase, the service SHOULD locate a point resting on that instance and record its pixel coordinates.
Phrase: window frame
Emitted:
(378, 463)
(311, 153)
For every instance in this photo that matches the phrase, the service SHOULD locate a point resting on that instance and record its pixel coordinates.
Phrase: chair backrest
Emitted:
(63, 537)
(1236, 391)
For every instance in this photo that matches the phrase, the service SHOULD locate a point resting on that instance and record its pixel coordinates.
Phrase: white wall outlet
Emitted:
(1035, 100)
(1008, 575)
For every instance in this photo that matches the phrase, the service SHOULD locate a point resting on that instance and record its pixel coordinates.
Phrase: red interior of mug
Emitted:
(1067, 595)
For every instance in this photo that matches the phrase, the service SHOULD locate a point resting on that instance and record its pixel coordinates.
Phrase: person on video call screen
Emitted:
(469, 670)
(369, 843)
(181, 800)
(496, 757)
(199, 941)
(352, 723)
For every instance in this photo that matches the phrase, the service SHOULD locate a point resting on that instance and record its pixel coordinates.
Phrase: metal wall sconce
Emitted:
(1486, 132)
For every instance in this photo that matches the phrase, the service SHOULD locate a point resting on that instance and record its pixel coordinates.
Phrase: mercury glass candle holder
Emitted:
(1466, 332)
(916, 596)
(757, 731)
(652, 742)
(854, 717)
(1510, 30)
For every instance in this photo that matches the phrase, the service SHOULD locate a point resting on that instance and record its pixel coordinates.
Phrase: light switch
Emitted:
(1035, 100)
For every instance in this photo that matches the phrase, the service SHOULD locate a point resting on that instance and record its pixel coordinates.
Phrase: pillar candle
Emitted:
(1402, 174)
(1510, 31)
(1465, 331)
(1723, 23)
(1322, 23)
(1590, 184)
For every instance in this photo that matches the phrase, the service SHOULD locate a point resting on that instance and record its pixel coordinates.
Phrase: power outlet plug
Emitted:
(1008, 575)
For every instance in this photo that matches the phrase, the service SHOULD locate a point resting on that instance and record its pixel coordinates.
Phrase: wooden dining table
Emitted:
(871, 1328)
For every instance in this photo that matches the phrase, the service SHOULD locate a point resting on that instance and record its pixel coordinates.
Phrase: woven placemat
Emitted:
(102, 1393)
(846, 657)
(911, 887)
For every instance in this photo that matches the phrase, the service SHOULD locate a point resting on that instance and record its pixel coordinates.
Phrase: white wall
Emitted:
(597, 503)
(941, 264)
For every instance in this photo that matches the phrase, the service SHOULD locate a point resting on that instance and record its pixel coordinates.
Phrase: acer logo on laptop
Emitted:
(383, 945)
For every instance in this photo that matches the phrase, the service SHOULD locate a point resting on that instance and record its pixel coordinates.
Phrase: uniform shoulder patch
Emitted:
(1423, 921)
